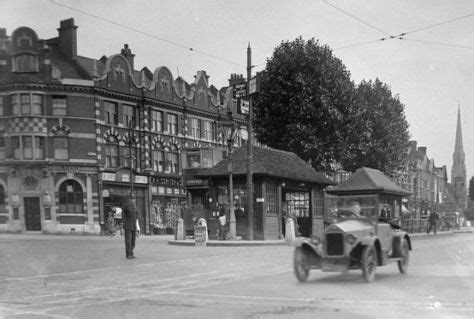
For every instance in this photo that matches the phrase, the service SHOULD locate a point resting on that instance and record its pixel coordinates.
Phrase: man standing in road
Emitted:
(130, 225)
(432, 222)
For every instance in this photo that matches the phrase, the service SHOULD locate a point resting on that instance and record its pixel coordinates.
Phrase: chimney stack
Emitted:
(127, 53)
(68, 38)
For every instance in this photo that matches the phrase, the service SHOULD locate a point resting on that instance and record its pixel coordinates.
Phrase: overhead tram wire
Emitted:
(439, 43)
(356, 18)
(146, 33)
(437, 24)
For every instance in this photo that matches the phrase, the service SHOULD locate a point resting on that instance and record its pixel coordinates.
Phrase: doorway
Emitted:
(32, 213)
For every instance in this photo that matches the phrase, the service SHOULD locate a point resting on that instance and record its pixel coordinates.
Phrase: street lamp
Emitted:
(229, 130)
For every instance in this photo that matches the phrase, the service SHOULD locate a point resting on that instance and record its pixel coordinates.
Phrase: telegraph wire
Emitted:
(439, 43)
(145, 33)
(437, 24)
(356, 18)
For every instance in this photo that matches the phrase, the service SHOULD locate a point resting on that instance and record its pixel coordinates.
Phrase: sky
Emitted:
(431, 68)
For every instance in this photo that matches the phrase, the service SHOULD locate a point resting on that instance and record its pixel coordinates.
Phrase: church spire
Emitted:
(458, 171)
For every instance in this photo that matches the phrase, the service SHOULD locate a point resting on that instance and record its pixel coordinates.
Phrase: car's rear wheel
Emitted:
(300, 264)
(369, 263)
(405, 255)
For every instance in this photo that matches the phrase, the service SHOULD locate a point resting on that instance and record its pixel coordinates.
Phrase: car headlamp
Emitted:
(351, 239)
(315, 240)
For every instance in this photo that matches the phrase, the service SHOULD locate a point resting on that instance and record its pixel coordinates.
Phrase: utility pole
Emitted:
(249, 147)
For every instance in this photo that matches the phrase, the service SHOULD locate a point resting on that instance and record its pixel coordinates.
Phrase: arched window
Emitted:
(71, 198)
(172, 160)
(112, 153)
(158, 158)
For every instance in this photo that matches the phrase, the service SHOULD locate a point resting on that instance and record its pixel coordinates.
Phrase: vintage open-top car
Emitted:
(361, 234)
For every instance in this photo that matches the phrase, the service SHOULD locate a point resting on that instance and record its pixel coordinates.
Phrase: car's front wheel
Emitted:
(405, 257)
(300, 264)
(369, 263)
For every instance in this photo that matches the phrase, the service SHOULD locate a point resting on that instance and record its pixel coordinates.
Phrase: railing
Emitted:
(421, 225)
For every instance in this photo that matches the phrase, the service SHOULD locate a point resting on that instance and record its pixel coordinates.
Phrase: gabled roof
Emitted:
(270, 162)
(368, 181)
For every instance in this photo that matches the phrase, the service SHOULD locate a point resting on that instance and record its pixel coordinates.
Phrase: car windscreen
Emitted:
(345, 207)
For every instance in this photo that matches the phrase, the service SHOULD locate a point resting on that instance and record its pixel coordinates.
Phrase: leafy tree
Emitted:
(309, 105)
(306, 104)
(471, 188)
(384, 141)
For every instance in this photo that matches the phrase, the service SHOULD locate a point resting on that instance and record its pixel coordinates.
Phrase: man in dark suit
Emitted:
(130, 225)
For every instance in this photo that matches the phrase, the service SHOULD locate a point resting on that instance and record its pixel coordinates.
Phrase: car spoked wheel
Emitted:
(369, 263)
(403, 263)
(300, 264)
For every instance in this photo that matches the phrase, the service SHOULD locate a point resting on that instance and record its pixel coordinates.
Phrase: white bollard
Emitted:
(290, 234)
(180, 230)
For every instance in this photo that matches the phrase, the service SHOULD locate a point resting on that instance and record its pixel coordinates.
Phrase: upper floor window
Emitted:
(27, 104)
(110, 113)
(207, 130)
(112, 153)
(172, 160)
(61, 148)
(158, 158)
(28, 147)
(195, 128)
(128, 115)
(59, 105)
(157, 121)
(2, 147)
(172, 123)
(25, 63)
(1, 105)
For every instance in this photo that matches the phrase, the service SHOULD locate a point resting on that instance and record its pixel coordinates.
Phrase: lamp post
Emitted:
(229, 130)
(130, 123)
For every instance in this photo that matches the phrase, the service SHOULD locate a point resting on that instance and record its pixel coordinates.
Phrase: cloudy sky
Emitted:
(431, 67)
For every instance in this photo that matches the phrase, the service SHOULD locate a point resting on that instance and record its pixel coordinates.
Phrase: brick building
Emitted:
(77, 134)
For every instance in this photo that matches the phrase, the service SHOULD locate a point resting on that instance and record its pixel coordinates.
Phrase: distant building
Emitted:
(77, 134)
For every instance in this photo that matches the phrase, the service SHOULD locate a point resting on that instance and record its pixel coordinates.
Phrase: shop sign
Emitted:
(169, 191)
(125, 178)
(161, 190)
(105, 193)
(154, 190)
(141, 179)
(176, 191)
(260, 200)
(108, 176)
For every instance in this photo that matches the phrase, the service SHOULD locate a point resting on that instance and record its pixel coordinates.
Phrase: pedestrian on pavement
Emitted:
(111, 224)
(130, 225)
(432, 222)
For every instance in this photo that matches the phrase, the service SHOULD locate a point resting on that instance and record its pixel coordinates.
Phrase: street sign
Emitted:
(240, 90)
(244, 107)
(253, 85)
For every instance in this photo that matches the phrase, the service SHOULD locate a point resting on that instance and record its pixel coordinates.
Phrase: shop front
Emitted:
(168, 200)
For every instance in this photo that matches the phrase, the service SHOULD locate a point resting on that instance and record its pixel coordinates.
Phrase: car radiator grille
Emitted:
(335, 244)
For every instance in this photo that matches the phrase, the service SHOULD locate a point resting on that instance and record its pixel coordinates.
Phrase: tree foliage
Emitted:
(471, 188)
(309, 105)
(304, 104)
(383, 142)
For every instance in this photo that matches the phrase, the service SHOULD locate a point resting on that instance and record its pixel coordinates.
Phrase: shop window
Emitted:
(112, 153)
(59, 106)
(158, 158)
(157, 121)
(172, 124)
(172, 160)
(195, 128)
(110, 113)
(297, 204)
(61, 148)
(25, 63)
(27, 104)
(71, 198)
(128, 115)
